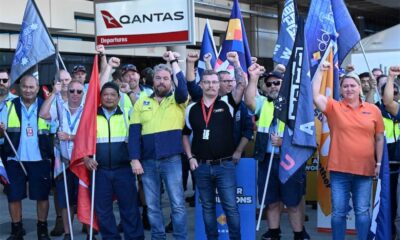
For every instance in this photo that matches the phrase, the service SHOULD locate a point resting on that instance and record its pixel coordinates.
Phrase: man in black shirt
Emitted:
(211, 121)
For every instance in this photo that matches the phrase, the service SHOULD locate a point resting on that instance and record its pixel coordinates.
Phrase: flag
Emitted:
(381, 226)
(207, 46)
(287, 33)
(85, 145)
(3, 174)
(34, 44)
(235, 40)
(330, 35)
(294, 106)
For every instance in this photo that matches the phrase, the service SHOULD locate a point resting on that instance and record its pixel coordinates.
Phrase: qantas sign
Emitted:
(142, 22)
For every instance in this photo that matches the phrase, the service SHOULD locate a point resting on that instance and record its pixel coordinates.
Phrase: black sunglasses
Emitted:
(4, 80)
(276, 83)
(75, 91)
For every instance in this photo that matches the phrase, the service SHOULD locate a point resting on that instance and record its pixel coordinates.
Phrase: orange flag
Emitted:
(85, 145)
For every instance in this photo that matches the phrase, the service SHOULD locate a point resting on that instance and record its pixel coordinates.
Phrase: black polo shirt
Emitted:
(220, 143)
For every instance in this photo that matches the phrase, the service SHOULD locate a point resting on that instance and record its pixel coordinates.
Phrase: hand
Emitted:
(280, 68)
(57, 87)
(193, 164)
(100, 49)
(176, 55)
(262, 70)
(114, 62)
(349, 68)
(276, 141)
(254, 60)
(255, 70)
(124, 88)
(233, 57)
(90, 163)
(2, 127)
(137, 167)
(236, 156)
(207, 57)
(192, 57)
(63, 136)
(168, 56)
(394, 71)
(325, 66)
(372, 82)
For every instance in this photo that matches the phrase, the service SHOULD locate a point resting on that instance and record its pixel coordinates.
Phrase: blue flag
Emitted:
(381, 226)
(235, 40)
(207, 46)
(294, 106)
(287, 33)
(329, 30)
(34, 43)
(3, 174)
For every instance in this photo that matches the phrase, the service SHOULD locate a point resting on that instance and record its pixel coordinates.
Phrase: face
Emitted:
(365, 84)
(29, 88)
(377, 73)
(272, 87)
(132, 78)
(4, 86)
(80, 76)
(162, 83)
(109, 98)
(226, 84)
(210, 85)
(65, 79)
(75, 93)
(350, 89)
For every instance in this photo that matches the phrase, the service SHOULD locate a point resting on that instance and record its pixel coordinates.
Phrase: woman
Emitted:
(355, 153)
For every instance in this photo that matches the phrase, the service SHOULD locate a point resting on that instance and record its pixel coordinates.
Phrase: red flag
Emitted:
(85, 145)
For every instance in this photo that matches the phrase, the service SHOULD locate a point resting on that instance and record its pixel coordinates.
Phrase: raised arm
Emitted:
(105, 73)
(391, 106)
(240, 76)
(46, 106)
(194, 89)
(181, 93)
(251, 90)
(102, 54)
(320, 100)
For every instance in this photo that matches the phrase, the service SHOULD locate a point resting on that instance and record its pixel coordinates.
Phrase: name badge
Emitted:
(29, 131)
(206, 134)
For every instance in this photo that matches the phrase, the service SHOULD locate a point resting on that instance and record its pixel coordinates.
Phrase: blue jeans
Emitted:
(342, 184)
(169, 170)
(223, 178)
(120, 183)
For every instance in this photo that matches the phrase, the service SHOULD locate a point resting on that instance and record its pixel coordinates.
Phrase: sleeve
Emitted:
(186, 130)
(135, 132)
(232, 102)
(195, 90)
(53, 111)
(181, 91)
(329, 106)
(247, 122)
(259, 103)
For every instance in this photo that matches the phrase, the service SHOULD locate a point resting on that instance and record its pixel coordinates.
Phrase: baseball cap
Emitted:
(128, 67)
(272, 74)
(78, 68)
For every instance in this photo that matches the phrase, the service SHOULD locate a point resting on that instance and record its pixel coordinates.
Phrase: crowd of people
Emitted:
(155, 128)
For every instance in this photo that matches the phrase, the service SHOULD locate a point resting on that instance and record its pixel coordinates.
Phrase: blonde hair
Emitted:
(352, 75)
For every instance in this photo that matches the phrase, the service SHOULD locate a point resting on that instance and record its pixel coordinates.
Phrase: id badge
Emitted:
(206, 134)
(29, 131)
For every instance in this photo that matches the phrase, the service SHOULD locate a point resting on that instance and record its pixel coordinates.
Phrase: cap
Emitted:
(78, 68)
(128, 67)
(272, 74)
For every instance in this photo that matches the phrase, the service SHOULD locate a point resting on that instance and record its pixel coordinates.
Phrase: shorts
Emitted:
(72, 185)
(38, 177)
(290, 193)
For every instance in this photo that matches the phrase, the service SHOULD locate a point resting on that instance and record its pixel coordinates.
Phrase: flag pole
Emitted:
(265, 188)
(369, 70)
(15, 152)
(67, 199)
(92, 201)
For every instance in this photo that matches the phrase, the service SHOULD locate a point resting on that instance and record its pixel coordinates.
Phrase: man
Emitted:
(211, 156)
(79, 73)
(30, 136)
(69, 116)
(268, 141)
(376, 72)
(155, 145)
(113, 172)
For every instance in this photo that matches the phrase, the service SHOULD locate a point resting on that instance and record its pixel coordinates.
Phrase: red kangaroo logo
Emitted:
(109, 20)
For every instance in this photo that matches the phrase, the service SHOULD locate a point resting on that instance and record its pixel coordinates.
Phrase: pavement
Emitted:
(29, 221)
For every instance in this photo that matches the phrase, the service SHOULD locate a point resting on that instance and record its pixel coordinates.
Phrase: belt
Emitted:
(215, 161)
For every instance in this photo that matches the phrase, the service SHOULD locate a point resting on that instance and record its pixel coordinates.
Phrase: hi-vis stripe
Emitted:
(112, 139)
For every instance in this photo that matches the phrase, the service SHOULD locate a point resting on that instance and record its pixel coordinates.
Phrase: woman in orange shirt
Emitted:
(355, 152)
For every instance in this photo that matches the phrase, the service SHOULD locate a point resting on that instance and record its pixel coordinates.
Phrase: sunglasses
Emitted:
(4, 80)
(276, 83)
(75, 91)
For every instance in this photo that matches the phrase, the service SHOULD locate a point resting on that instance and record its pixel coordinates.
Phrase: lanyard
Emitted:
(72, 125)
(29, 115)
(207, 116)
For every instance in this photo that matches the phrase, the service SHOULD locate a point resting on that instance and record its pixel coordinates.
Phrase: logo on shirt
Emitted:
(146, 103)
(218, 110)
(367, 113)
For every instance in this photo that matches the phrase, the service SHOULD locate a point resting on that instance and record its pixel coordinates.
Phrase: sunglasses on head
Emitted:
(276, 83)
(75, 91)
(4, 80)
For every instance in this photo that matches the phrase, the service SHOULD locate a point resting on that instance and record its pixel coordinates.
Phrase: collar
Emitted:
(100, 111)
(153, 95)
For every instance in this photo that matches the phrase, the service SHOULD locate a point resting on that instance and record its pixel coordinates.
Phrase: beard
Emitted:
(3, 91)
(161, 91)
(273, 94)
